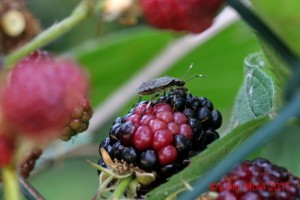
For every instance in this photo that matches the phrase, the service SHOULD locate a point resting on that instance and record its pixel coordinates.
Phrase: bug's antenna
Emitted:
(187, 72)
(199, 75)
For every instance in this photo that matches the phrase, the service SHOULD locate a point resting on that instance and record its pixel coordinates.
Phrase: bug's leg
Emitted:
(164, 94)
(140, 98)
(154, 96)
(174, 98)
(149, 103)
(176, 91)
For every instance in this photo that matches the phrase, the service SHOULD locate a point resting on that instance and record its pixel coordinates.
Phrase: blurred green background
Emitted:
(106, 49)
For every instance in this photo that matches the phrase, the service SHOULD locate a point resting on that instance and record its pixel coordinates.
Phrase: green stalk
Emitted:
(119, 191)
(10, 183)
(80, 13)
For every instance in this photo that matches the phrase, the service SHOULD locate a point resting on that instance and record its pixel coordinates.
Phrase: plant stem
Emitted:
(10, 183)
(120, 189)
(28, 191)
(81, 12)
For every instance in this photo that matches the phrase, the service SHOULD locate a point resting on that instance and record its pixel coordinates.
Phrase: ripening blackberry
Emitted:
(160, 136)
(275, 182)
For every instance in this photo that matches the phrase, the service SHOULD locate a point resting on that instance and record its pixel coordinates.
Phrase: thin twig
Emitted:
(29, 191)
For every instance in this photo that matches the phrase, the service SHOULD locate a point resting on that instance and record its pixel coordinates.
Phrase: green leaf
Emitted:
(283, 17)
(201, 163)
(279, 67)
(259, 94)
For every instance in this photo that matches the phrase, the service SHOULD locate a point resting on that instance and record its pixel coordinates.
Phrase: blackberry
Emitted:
(125, 132)
(205, 117)
(159, 137)
(104, 144)
(211, 135)
(118, 120)
(206, 103)
(182, 144)
(114, 131)
(116, 150)
(168, 170)
(277, 181)
(148, 160)
(216, 121)
(129, 155)
(195, 125)
(102, 164)
(195, 103)
(188, 112)
(179, 103)
(199, 143)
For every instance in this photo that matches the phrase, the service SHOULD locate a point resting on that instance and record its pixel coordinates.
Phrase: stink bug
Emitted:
(155, 85)
(152, 86)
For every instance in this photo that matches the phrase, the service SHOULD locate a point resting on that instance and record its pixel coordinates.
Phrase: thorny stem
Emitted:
(83, 10)
(120, 189)
(10, 183)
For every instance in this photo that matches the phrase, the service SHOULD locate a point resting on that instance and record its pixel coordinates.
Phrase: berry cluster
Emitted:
(280, 184)
(160, 136)
(79, 121)
(190, 15)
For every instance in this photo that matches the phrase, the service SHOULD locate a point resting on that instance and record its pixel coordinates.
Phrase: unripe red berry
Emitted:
(190, 15)
(167, 155)
(41, 95)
